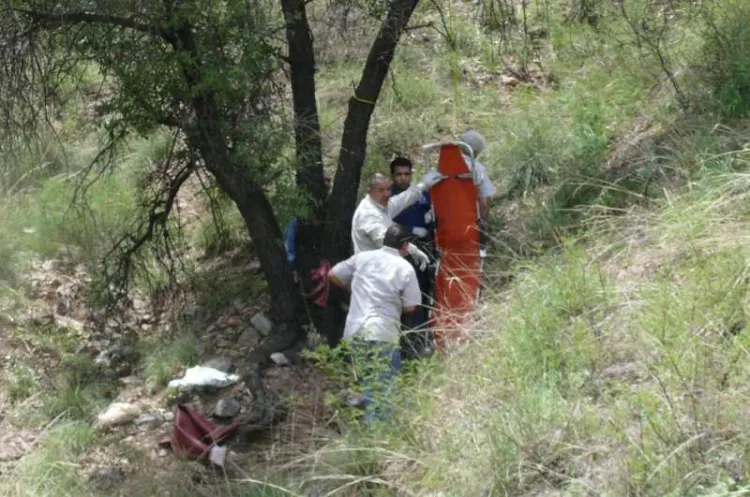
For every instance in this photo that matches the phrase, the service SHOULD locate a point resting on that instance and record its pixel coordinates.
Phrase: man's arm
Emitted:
(398, 203)
(411, 296)
(342, 273)
(486, 190)
(375, 229)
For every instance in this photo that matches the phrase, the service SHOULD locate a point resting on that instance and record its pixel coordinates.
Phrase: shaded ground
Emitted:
(40, 338)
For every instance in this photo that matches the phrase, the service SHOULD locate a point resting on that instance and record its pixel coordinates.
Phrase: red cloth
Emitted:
(322, 287)
(194, 435)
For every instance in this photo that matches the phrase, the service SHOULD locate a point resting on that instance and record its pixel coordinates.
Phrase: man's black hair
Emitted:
(396, 236)
(400, 162)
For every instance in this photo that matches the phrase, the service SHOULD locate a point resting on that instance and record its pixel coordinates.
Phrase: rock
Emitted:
(353, 399)
(233, 322)
(261, 323)
(148, 421)
(227, 407)
(189, 311)
(139, 304)
(509, 81)
(104, 359)
(43, 318)
(131, 380)
(69, 323)
(314, 340)
(50, 266)
(248, 337)
(106, 477)
(280, 359)
(118, 413)
(168, 416)
(223, 364)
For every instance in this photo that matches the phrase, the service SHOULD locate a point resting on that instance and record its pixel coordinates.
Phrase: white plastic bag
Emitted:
(202, 376)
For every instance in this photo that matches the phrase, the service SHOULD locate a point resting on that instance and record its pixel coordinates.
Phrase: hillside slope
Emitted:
(609, 357)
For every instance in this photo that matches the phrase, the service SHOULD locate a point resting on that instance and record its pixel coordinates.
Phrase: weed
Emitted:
(163, 358)
(20, 383)
(51, 470)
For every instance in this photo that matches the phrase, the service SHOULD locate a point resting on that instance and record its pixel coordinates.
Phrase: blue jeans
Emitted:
(382, 364)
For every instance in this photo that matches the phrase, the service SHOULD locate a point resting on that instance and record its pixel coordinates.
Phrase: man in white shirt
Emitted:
(383, 286)
(476, 141)
(376, 211)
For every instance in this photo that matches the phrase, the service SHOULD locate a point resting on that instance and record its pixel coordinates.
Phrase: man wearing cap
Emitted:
(383, 287)
(476, 141)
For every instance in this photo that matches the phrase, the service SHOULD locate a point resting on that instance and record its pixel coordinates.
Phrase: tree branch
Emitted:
(419, 26)
(48, 20)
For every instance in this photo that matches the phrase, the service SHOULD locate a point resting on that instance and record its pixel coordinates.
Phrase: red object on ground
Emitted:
(194, 436)
(455, 202)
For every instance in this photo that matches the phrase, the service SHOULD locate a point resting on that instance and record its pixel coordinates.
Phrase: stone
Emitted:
(148, 421)
(43, 319)
(104, 359)
(509, 81)
(118, 413)
(223, 364)
(355, 400)
(233, 322)
(314, 340)
(168, 416)
(69, 323)
(106, 477)
(227, 407)
(261, 323)
(248, 337)
(280, 359)
(131, 380)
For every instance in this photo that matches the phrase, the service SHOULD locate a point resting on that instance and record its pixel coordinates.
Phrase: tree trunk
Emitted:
(310, 177)
(342, 201)
(287, 305)
(206, 134)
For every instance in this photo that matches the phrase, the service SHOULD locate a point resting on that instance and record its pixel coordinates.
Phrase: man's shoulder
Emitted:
(401, 263)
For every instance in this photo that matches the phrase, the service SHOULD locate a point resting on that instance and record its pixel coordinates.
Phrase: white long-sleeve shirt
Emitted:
(371, 220)
(382, 284)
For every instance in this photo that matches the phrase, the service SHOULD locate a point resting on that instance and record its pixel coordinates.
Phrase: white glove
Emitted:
(430, 179)
(419, 256)
(420, 232)
(428, 217)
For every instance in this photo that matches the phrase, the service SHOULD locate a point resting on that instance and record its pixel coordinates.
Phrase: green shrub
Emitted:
(725, 65)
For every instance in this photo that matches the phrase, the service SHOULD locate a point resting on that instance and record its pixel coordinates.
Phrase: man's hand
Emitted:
(420, 232)
(430, 179)
(420, 257)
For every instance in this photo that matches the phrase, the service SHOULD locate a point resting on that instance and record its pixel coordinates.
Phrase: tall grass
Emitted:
(52, 470)
(618, 368)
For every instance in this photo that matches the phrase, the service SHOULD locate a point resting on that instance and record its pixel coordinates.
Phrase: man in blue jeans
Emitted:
(383, 286)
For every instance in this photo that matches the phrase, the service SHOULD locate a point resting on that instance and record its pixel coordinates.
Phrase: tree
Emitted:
(209, 71)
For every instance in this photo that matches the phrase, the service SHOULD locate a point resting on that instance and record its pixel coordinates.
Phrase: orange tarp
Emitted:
(455, 205)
